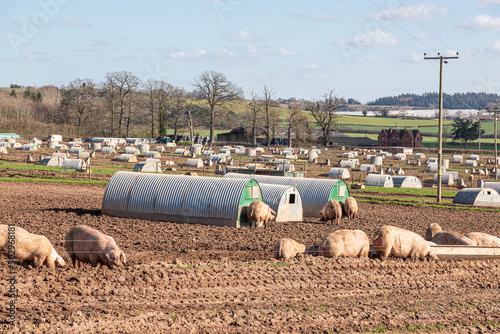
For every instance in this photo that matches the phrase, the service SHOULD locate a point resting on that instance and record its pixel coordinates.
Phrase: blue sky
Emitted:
(299, 48)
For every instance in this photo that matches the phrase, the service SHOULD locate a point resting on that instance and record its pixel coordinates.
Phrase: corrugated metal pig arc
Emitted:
(143, 194)
(117, 192)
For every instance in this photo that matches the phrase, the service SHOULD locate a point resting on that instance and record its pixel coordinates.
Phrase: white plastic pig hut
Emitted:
(180, 198)
(478, 197)
(284, 200)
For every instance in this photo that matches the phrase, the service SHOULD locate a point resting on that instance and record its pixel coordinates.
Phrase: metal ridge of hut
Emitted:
(180, 198)
(314, 192)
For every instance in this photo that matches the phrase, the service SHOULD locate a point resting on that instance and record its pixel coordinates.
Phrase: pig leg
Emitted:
(73, 259)
(93, 258)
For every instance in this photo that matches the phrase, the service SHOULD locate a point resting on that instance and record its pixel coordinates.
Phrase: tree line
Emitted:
(431, 100)
(124, 106)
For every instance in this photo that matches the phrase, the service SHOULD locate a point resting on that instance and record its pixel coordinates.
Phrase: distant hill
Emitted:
(431, 100)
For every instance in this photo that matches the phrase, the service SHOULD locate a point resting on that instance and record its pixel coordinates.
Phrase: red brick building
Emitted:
(404, 138)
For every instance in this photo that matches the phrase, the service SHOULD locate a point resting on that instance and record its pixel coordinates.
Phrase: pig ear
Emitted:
(123, 258)
(111, 256)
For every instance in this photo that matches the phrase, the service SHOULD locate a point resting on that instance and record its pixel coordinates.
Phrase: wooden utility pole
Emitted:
(495, 110)
(442, 60)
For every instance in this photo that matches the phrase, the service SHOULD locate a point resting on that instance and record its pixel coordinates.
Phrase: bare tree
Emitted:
(193, 114)
(324, 112)
(293, 119)
(123, 83)
(79, 98)
(254, 115)
(271, 117)
(217, 90)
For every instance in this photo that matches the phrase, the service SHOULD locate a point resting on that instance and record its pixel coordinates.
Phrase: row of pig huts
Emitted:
(215, 200)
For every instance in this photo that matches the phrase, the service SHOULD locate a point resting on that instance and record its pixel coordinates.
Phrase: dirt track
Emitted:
(195, 278)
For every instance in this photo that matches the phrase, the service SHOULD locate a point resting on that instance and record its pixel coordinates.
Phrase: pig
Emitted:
(350, 207)
(435, 234)
(483, 239)
(29, 248)
(331, 211)
(258, 212)
(395, 241)
(287, 248)
(84, 244)
(346, 243)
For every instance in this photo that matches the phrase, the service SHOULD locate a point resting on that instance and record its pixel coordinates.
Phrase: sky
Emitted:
(362, 49)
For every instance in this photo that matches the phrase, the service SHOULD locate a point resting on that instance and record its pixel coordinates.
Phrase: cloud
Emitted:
(487, 3)
(314, 17)
(38, 56)
(419, 11)
(182, 55)
(240, 36)
(312, 67)
(99, 43)
(256, 52)
(71, 23)
(484, 22)
(375, 38)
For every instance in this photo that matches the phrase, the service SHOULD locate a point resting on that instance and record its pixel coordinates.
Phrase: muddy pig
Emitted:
(288, 248)
(258, 212)
(350, 207)
(346, 243)
(435, 234)
(87, 245)
(28, 247)
(395, 241)
(331, 211)
(483, 239)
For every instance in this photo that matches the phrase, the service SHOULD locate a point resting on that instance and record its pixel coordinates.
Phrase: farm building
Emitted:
(52, 161)
(76, 164)
(377, 180)
(457, 158)
(492, 185)
(347, 164)
(29, 147)
(303, 151)
(404, 138)
(148, 167)
(284, 200)
(420, 155)
(367, 168)
(446, 179)
(196, 163)
(207, 153)
(108, 149)
(3, 150)
(9, 135)
(152, 154)
(478, 197)
(471, 163)
(339, 173)
(127, 157)
(131, 150)
(143, 148)
(180, 198)
(377, 160)
(171, 144)
(76, 149)
(474, 157)
(400, 156)
(17, 145)
(406, 182)
(314, 192)
(160, 148)
(180, 151)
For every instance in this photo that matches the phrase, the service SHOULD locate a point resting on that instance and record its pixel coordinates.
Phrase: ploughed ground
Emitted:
(184, 278)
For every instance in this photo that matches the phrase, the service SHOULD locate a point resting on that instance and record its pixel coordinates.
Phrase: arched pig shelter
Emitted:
(180, 198)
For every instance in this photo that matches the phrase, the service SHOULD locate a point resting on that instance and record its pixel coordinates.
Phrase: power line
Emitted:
(382, 30)
(390, 18)
(473, 84)
(424, 26)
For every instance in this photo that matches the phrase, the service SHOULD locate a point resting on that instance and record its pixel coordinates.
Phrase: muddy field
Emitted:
(195, 278)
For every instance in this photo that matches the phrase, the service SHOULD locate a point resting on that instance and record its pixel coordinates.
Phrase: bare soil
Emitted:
(184, 278)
